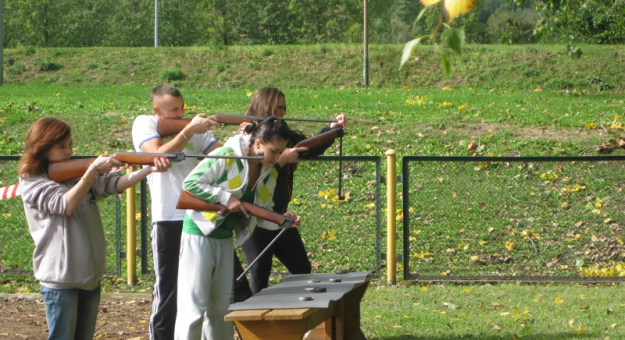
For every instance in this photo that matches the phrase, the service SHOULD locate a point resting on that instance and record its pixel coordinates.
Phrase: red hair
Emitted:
(42, 136)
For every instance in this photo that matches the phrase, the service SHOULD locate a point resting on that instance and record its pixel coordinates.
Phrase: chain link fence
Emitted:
(513, 218)
(338, 234)
(16, 245)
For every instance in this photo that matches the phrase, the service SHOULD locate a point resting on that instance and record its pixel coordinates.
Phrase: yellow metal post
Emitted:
(391, 182)
(131, 236)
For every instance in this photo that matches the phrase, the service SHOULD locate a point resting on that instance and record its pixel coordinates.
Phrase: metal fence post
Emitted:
(131, 237)
(391, 181)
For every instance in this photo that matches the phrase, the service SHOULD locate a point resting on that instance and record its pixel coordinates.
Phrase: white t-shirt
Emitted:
(165, 186)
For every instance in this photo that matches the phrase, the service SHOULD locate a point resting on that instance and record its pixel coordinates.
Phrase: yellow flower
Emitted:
(538, 89)
(248, 93)
(447, 88)
(463, 106)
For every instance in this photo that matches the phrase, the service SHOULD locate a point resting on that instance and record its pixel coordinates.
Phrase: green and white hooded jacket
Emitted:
(216, 179)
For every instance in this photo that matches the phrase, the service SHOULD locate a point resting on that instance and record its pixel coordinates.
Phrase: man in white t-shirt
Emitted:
(194, 139)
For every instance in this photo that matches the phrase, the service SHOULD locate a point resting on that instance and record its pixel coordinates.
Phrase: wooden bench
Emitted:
(340, 321)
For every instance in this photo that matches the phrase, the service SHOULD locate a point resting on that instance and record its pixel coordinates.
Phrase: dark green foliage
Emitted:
(588, 21)
(16, 69)
(47, 65)
(29, 50)
(173, 74)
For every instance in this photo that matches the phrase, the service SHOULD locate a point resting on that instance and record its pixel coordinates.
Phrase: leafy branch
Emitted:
(453, 38)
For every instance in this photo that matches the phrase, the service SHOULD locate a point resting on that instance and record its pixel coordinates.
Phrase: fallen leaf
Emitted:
(472, 147)
(451, 305)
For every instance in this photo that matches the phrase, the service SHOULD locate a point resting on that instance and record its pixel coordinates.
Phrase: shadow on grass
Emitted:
(491, 337)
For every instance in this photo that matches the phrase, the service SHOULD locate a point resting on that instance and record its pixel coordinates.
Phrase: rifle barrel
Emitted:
(264, 251)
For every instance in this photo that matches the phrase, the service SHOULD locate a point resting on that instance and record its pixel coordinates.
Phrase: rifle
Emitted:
(61, 171)
(188, 201)
(170, 126)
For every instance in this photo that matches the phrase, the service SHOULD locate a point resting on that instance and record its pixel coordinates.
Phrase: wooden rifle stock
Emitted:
(188, 201)
(170, 126)
(61, 171)
(321, 138)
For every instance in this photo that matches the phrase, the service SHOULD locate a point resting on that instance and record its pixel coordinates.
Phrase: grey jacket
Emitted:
(70, 251)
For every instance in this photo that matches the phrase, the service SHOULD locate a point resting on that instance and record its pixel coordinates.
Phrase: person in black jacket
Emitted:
(289, 248)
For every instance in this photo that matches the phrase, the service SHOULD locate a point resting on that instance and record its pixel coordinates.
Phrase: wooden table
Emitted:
(339, 321)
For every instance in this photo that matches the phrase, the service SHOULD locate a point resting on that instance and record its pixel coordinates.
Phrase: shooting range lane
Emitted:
(294, 290)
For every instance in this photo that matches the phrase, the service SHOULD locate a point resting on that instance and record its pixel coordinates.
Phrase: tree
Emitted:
(587, 21)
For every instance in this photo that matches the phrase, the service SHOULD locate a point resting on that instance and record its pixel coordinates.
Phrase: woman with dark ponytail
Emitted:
(289, 249)
(205, 276)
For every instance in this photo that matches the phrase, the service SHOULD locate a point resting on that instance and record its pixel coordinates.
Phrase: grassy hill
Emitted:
(315, 66)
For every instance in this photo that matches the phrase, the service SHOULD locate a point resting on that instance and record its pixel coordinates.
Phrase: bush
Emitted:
(513, 27)
(16, 69)
(47, 65)
(29, 50)
(252, 65)
(173, 74)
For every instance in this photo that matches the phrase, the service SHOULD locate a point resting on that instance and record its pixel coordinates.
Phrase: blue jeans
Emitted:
(71, 313)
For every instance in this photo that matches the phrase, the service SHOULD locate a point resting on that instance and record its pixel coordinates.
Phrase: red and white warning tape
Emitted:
(9, 191)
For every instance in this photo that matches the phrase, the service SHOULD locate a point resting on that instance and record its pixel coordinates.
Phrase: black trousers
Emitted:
(241, 287)
(288, 249)
(165, 252)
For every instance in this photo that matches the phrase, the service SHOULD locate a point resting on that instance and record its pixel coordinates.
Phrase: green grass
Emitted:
(493, 312)
(518, 101)
(329, 66)
(413, 122)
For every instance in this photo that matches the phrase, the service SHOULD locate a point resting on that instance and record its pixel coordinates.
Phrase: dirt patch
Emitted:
(121, 316)
(477, 129)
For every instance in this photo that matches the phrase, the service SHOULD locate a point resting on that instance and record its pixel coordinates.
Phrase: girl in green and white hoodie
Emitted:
(205, 275)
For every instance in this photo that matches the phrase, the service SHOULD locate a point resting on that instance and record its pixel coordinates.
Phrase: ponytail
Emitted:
(270, 129)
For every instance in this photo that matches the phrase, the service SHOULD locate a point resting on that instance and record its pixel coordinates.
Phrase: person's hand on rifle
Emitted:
(199, 125)
(161, 164)
(340, 122)
(242, 127)
(234, 205)
(290, 155)
(104, 164)
(297, 219)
